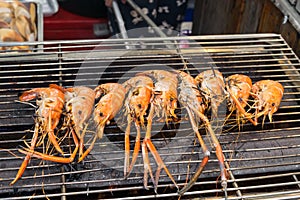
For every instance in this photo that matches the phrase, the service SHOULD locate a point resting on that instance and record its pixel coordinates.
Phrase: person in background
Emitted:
(166, 14)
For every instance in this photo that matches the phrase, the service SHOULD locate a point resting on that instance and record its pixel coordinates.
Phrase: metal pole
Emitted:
(121, 25)
(119, 19)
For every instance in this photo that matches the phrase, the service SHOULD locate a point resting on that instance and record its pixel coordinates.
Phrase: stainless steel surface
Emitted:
(263, 161)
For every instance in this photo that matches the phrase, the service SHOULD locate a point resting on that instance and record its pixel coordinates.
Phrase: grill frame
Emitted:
(64, 57)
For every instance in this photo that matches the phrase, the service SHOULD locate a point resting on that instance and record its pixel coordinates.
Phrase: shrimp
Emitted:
(212, 84)
(139, 91)
(79, 106)
(239, 87)
(165, 102)
(50, 102)
(267, 95)
(165, 91)
(212, 87)
(111, 100)
(190, 97)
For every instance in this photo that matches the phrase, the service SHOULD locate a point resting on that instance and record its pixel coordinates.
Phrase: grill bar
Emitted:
(268, 153)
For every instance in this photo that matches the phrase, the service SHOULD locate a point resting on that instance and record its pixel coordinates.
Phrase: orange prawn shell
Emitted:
(109, 104)
(140, 90)
(240, 85)
(209, 82)
(269, 94)
(212, 84)
(166, 87)
(80, 104)
(50, 102)
(50, 105)
(187, 81)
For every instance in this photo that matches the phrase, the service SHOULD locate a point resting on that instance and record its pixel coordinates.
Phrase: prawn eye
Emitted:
(135, 93)
(101, 114)
(273, 104)
(240, 99)
(139, 106)
(79, 112)
(171, 99)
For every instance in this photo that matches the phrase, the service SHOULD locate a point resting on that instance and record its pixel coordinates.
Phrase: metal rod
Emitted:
(263, 57)
(120, 20)
(234, 183)
(296, 179)
(121, 23)
(63, 186)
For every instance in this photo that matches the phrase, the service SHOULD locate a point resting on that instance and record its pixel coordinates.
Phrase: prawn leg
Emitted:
(54, 158)
(52, 136)
(240, 108)
(204, 159)
(84, 154)
(127, 147)
(88, 150)
(147, 167)
(219, 153)
(81, 141)
(28, 155)
(147, 143)
(218, 148)
(136, 150)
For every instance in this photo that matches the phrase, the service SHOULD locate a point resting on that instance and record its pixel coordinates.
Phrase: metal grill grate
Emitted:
(263, 162)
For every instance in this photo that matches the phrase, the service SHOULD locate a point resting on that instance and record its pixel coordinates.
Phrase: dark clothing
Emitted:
(86, 8)
(166, 14)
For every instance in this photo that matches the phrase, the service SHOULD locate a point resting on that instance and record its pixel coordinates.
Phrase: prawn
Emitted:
(268, 95)
(190, 97)
(50, 102)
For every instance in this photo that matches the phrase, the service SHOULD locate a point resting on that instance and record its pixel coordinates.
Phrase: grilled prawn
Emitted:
(50, 102)
(79, 103)
(79, 106)
(212, 87)
(239, 87)
(191, 98)
(267, 95)
(163, 104)
(111, 100)
(165, 93)
(139, 90)
(211, 83)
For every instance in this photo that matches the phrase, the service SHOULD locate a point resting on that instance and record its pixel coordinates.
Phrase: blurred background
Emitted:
(87, 19)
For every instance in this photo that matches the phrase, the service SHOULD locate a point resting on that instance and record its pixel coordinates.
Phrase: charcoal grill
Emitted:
(263, 161)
